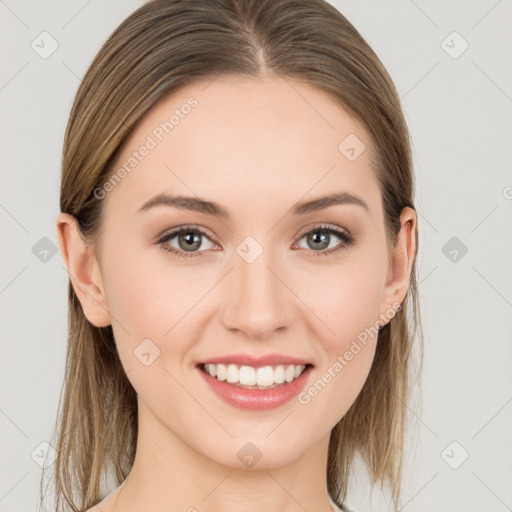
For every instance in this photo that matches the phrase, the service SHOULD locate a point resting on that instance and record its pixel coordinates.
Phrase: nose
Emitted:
(256, 299)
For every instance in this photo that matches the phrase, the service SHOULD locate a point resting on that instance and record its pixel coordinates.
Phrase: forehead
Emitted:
(243, 141)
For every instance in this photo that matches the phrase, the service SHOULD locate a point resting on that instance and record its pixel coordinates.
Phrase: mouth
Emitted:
(255, 382)
(250, 377)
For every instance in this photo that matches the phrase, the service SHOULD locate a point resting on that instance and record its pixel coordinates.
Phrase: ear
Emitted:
(83, 270)
(397, 281)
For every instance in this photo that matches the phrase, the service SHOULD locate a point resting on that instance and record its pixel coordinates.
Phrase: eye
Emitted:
(189, 242)
(320, 238)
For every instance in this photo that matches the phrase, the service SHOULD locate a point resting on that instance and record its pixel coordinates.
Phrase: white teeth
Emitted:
(289, 374)
(279, 374)
(232, 373)
(247, 376)
(221, 371)
(264, 377)
(212, 369)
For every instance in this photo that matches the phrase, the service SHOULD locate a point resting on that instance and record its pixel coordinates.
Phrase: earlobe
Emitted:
(83, 270)
(403, 256)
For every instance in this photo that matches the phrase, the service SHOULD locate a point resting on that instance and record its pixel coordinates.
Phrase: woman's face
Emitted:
(246, 278)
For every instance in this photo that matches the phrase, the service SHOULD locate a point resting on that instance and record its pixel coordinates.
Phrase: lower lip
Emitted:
(256, 399)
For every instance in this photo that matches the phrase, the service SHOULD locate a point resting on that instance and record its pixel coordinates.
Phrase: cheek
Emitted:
(350, 310)
(149, 293)
(148, 300)
(152, 298)
(346, 298)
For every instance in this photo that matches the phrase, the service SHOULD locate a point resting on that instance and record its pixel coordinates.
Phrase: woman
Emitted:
(238, 224)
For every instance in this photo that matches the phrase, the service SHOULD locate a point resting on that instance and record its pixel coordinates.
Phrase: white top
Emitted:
(336, 508)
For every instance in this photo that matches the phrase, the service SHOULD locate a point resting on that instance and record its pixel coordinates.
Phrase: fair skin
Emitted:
(256, 147)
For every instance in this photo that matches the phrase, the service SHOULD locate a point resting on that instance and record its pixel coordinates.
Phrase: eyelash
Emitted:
(347, 240)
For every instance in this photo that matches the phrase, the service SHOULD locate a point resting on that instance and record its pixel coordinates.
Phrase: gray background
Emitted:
(459, 111)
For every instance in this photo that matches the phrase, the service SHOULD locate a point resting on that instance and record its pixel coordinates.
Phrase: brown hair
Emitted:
(166, 44)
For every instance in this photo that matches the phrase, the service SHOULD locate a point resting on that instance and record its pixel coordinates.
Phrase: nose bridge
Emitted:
(256, 300)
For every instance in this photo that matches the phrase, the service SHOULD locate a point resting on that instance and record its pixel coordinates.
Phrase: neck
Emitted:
(168, 475)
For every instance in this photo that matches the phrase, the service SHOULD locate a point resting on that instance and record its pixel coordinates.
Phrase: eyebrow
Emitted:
(214, 209)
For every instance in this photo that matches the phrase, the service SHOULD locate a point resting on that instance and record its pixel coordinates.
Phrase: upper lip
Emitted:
(256, 361)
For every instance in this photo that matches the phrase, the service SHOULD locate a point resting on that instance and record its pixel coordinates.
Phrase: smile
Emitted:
(255, 388)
